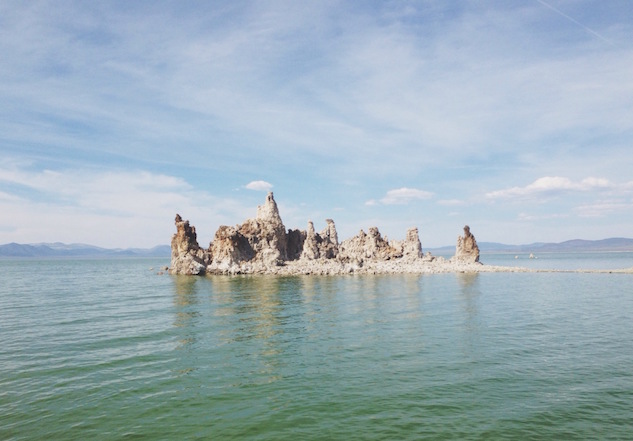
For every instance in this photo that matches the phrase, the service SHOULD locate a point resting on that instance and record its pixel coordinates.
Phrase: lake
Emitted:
(109, 349)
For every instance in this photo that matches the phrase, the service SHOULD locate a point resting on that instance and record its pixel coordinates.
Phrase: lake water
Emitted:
(108, 349)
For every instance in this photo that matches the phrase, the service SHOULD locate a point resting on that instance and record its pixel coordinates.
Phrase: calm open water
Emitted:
(108, 349)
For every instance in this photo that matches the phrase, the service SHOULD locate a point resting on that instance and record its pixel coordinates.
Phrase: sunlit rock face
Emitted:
(186, 255)
(320, 246)
(466, 250)
(410, 248)
(261, 241)
(368, 246)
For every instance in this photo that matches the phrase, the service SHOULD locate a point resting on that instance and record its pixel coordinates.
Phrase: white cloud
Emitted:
(550, 185)
(401, 196)
(112, 208)
(259, 186)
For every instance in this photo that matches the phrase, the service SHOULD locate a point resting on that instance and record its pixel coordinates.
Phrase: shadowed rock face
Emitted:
(467, 250)
(295, 240)
(262, 245)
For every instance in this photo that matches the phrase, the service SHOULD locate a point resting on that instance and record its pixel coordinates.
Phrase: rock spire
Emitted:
(186, 255)
(466, 250)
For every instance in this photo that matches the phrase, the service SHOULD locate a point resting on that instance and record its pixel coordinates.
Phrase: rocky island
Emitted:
(262, 245)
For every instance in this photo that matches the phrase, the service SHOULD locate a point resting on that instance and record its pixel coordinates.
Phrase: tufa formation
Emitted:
(466, 250)
(263, 246)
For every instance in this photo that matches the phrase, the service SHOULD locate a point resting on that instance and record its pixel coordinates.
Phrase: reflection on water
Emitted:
(186, 301)
(469, 294)
(260, 322)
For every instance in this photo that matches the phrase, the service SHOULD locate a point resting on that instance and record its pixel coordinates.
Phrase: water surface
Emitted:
(108, 349)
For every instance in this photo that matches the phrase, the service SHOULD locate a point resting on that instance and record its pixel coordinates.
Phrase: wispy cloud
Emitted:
(550, 185)
(533, 217)
(603, 208)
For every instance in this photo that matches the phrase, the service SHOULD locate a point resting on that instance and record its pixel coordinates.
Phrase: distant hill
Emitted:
(570, 246)
(78, 250)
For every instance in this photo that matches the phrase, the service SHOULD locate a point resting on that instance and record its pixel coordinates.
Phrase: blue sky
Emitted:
(513, 117)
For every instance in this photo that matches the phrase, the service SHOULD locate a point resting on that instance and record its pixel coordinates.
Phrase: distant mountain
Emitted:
(58, 249)
(570, 246)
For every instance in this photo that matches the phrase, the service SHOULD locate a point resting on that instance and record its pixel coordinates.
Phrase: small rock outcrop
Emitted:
(410, 247)
(320, 246)
(186, 255)
(467, 250)
(369, 246)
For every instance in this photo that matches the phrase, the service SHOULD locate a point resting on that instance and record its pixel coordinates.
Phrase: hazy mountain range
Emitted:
(82, 250)
(58, 249)
(570, 246)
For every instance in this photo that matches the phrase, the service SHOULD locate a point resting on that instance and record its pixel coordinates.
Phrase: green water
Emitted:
(108, 349)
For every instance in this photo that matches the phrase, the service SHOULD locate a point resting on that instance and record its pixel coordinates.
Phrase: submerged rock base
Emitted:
(263, 246)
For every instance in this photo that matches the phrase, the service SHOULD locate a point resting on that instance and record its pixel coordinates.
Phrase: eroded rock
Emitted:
(466, 250)
(186, 255)
(261, 245)
(367, 246)
(410, 247)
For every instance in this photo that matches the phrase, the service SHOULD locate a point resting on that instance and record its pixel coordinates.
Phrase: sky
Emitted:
(514, 117)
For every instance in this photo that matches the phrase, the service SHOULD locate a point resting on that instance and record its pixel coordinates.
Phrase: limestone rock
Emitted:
(367, 247)
(467, 250)
(410, 248)
(186, 255)
(311, 244)
(261, 242)
(267, 234)
(229, 247)
(320, 246)
(329, 243)
(261, 245)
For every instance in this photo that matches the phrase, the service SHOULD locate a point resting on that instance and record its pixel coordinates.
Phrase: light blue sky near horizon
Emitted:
(515, 118)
